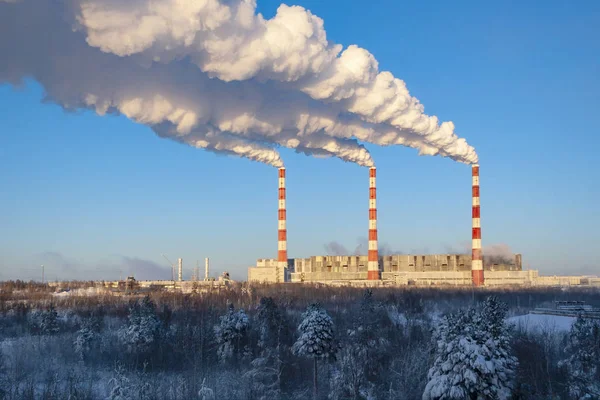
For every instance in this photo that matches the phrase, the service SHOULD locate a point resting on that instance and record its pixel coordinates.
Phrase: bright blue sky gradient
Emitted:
(90, 196)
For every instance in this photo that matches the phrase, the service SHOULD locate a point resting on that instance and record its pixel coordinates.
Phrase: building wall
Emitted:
(267, 271)
(433, 268)
(398, 263)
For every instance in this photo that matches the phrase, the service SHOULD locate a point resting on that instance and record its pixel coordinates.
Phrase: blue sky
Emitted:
(91, 196)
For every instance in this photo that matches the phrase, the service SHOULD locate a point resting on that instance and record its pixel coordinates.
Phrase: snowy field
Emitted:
(542, 323)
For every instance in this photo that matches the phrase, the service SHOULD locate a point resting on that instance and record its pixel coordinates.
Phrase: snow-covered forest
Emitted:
(294, 342)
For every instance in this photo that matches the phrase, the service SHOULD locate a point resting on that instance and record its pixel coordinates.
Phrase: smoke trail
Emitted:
(216, 75)
(336, 249)
(499, 253)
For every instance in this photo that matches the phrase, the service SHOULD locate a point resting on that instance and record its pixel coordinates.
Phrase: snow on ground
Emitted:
(542, 322)
(90, 291)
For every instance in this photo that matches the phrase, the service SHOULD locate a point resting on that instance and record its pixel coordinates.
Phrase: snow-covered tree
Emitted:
(87, 337)
(349, 377)
(231, 334)
(473, 357)
(142, 331)
(364, 355)
(205, 393)
(317, 338)
(266, 369)
(3, 378)
(120, 385)
(49, 321)
(583, 361)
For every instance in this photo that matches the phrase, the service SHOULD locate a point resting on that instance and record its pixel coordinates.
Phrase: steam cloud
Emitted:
(498, 254)
(337, 249)
(216, 75)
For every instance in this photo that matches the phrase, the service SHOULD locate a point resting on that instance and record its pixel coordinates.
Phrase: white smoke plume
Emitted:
(216, 75)
(498, 253)
(336, 249)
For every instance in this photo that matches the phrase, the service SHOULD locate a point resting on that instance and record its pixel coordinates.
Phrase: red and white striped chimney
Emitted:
(373, 260)
(477, 256)
(282, 258)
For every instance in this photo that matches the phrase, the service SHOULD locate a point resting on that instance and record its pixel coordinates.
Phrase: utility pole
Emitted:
(172, 267)
(42, 274)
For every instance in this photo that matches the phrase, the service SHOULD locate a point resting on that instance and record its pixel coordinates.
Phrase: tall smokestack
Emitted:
(282, 230)
(206, 269)
(373, 264)
(477, 258)
(180, 275)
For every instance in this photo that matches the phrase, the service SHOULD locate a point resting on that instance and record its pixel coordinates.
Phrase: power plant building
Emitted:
(270, 271)
(356, 267)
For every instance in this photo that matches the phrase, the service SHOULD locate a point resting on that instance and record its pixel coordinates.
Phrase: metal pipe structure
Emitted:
(477, 256)
(373, 259)
(282, 258)
(180, 274)
(206, 268)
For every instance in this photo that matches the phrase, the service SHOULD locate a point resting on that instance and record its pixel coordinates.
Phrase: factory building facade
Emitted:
(356, 267)
(270, 271)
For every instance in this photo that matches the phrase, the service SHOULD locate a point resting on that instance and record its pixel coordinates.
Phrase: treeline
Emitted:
(292, 342)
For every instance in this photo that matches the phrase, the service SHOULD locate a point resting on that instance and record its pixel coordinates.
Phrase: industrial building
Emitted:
(407, 269)
(356, 267)
(400, 269)
(372, 267)
(270, 271)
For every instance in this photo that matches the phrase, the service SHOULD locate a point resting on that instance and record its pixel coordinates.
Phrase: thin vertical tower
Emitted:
(373, 264)
(477, 257)
(180, 274)
(282, 258)
(206, 263)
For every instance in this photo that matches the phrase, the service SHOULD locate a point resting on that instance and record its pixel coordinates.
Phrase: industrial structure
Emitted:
(282, 258)
(477, 257)
(407, 269)
(373, 252)
(180, 271)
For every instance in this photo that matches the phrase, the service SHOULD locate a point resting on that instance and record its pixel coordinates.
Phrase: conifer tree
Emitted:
(231, 334)
(49, 321)
(317, 338)
(142, 331)
(473, 358)
(583, 361)
(87, 337)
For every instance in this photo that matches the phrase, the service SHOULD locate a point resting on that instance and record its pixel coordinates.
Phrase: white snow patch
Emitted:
(542, 322)
(90, 291)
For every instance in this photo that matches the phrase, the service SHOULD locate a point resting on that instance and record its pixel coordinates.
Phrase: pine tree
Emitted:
(142, 331)
(49, 321)
(317, 338)
(87, 337)
(473, 356)
(583, 363)
(231, 334)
